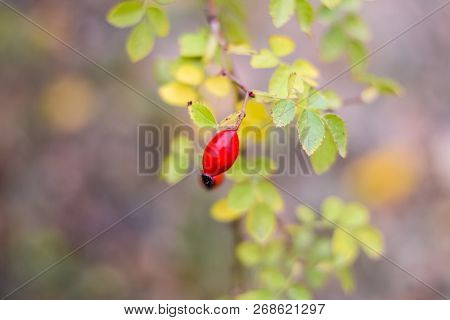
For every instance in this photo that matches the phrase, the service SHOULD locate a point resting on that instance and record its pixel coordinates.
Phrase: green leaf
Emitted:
(261, 294)
(126, 14)
(296, 85)
(177, 94)
(201, 115)
(356, 54)
(302, 237)
(383, 85)
(273, 278)
(273, 252)
(315, 277)
(373, 240)
(283, 112)
(356, 28)
(249, 253)
(281, 45)
(241, 196)
(222, 213)
(346, 278)
(333, 44)
(324, 157)
(338, 131)
(189, 73)
(260, 222)
(305, 69)
(332, 208)
(311, 131)
(317, 101)
(264, 59)
(263, 97)
(354, 215)
(140, 41)
(331, 3)
(305, 214)
(159, 21)
(299, 292)
(281, 11)
(267, 193)
(334, 101)
(193, 44)
(305, 15)
(345, 248)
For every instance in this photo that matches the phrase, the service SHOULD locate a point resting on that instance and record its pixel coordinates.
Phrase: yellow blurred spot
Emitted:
(222, 213)
(281, 45)
(385, 177)
(256, 122)
(177, 94)
(219, 86)
(189, 73)
(67, 103)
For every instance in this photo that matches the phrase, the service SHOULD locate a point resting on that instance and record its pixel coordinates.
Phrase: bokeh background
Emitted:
(68, 159)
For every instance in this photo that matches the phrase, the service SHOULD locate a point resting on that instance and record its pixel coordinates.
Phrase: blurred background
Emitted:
(68, 158)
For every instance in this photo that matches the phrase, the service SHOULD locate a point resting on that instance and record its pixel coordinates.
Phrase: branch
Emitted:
(214, 24)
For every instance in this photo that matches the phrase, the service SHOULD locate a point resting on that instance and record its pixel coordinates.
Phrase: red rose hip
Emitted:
(221, 152)
(212, 182)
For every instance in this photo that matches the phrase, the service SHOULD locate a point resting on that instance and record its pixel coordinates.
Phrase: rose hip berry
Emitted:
(219, 155)
(212, 182)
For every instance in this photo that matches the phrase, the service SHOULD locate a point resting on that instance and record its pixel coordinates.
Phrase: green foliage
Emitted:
(283, 113)
(176, 164)
(148, 21)
(202, 115)
(281, 11)
(311, 131)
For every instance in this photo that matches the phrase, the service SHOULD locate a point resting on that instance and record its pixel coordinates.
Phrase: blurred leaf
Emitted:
(299, 292)
(305, 15)
(218, 85)
(264, 59)
(278, 85)
(222, 213)
(241, 49)
(126, 14)
(140, 41)
(202, 115)
(267, 193)
(249, 253)
(281, 45)
(273, 252)
(354, 215)
(321, 250)
(333, 99)
(302, 238)
(193, 44)
(369, 94)
(260, 222)
(356, 27)
(281, 11)
(273, 278)
(346, 279)
(236, 173)
(177, 94)
(331, 3)
(344, 247)
(357, 53)
(159, 21)
(161, 70)
(317, 101)
(263, 97)
(311, 131)
(295, 85)
(241, 196)
(189, 73)
(384, 85)
(324, 157)
(315, 277)
(283, 113)
(332, 208)
(174, 168)
(261, 294)
(333, 44)
(373, 241)
(305, 214)
(338, 131)
(305, 69)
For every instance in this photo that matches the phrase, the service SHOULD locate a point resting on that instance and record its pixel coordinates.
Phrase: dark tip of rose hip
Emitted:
(189, 103)
(208, 181)
(251, 94)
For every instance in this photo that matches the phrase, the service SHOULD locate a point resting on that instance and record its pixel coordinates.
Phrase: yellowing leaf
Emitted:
(201, 115)
(305, 69)
(264, 59)
(222, 213)
(356, 27)
(177, 94)
(369, 94)
(260, 222)
(305, 15)
(372, 241)
(345, 248)
(249, 253)
(241, 49)
(325, 155)
(331, 3)
(283, 112)
(255, 124)
(339, 132)
(219, 85)
(281, 11)
(311, 131)
(332, 208)
(281, 45)
(140, 41)
(354, 215)
(126, 14)
(189, 73)
(159, 21)
(278, 85)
